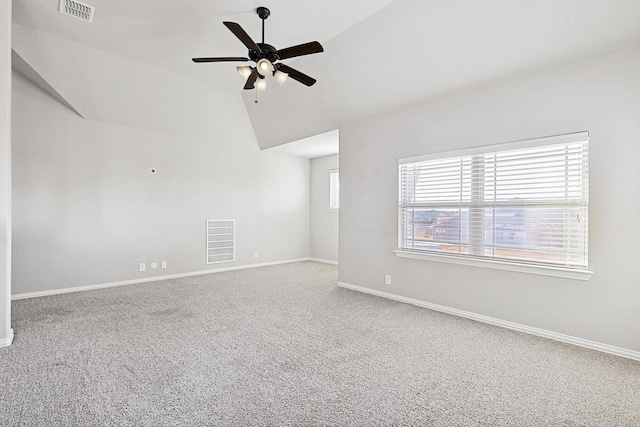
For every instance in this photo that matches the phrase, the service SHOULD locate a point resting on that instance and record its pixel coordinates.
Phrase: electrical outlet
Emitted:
(387, 279)
(154, 265)
(255, 255)
(142, 266)
(164, 265)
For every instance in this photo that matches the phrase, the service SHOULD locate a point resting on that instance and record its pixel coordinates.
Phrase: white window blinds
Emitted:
(525, 202)
(334, 189)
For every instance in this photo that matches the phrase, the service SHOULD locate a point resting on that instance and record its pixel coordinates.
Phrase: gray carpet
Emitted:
(283, 346)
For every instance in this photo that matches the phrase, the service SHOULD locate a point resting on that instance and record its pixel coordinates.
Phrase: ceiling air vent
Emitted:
(77, 9)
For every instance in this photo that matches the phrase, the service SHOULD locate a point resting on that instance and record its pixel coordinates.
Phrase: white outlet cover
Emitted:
(154, 265)
(142, 266)
(164, 264)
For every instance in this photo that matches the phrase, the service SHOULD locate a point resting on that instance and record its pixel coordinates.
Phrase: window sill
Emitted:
(566, 273)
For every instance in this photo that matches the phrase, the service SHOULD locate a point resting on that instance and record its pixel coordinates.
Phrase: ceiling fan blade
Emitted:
(297, 75)
(251, 80)
(243, 36)
(227, 59)
(299, 50)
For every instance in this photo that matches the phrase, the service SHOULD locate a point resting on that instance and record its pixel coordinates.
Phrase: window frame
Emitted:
(482, 261)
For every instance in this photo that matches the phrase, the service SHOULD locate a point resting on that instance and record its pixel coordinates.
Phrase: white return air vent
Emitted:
(221, 240)
(77, 9)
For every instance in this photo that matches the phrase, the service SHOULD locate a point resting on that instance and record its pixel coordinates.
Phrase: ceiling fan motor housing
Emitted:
(269, 52)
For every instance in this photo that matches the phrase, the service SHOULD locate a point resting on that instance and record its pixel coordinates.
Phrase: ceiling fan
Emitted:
(265, 57)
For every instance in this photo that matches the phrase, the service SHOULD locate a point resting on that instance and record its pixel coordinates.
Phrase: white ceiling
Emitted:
(168, 33)
(411, 51)
(322, 145)
(379, 55)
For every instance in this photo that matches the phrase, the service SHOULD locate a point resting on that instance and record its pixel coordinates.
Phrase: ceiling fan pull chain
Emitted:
(256, 101)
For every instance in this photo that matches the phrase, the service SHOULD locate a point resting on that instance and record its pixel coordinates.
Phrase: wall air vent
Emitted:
(77, 9)
(221, 240)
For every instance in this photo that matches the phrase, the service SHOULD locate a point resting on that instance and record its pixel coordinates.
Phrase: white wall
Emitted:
(109, 88)
(5, 173)
(600, 94)
(87, 210)
(324, 224)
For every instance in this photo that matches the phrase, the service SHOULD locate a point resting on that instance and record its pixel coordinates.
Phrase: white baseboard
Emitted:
(6, 342)
(324, 261)
(147, 280)
(605, 348)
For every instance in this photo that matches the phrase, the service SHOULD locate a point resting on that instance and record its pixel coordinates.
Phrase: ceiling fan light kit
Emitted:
(266, 56)
(264, 67)
(280, 77)
(260, 83)
(244, 71)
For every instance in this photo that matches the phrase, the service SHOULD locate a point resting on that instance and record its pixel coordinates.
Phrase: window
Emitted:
(523, 202)
(334, 190)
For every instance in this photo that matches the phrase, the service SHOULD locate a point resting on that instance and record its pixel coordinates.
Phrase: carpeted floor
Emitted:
(283, 346)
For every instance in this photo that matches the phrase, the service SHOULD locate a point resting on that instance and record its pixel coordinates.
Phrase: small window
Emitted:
(334, 190)
(524, 202)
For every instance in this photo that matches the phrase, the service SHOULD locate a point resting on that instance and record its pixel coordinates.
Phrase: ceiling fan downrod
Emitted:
(263, 13)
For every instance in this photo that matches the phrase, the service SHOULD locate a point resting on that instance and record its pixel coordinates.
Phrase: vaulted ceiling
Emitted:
(379, 55)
